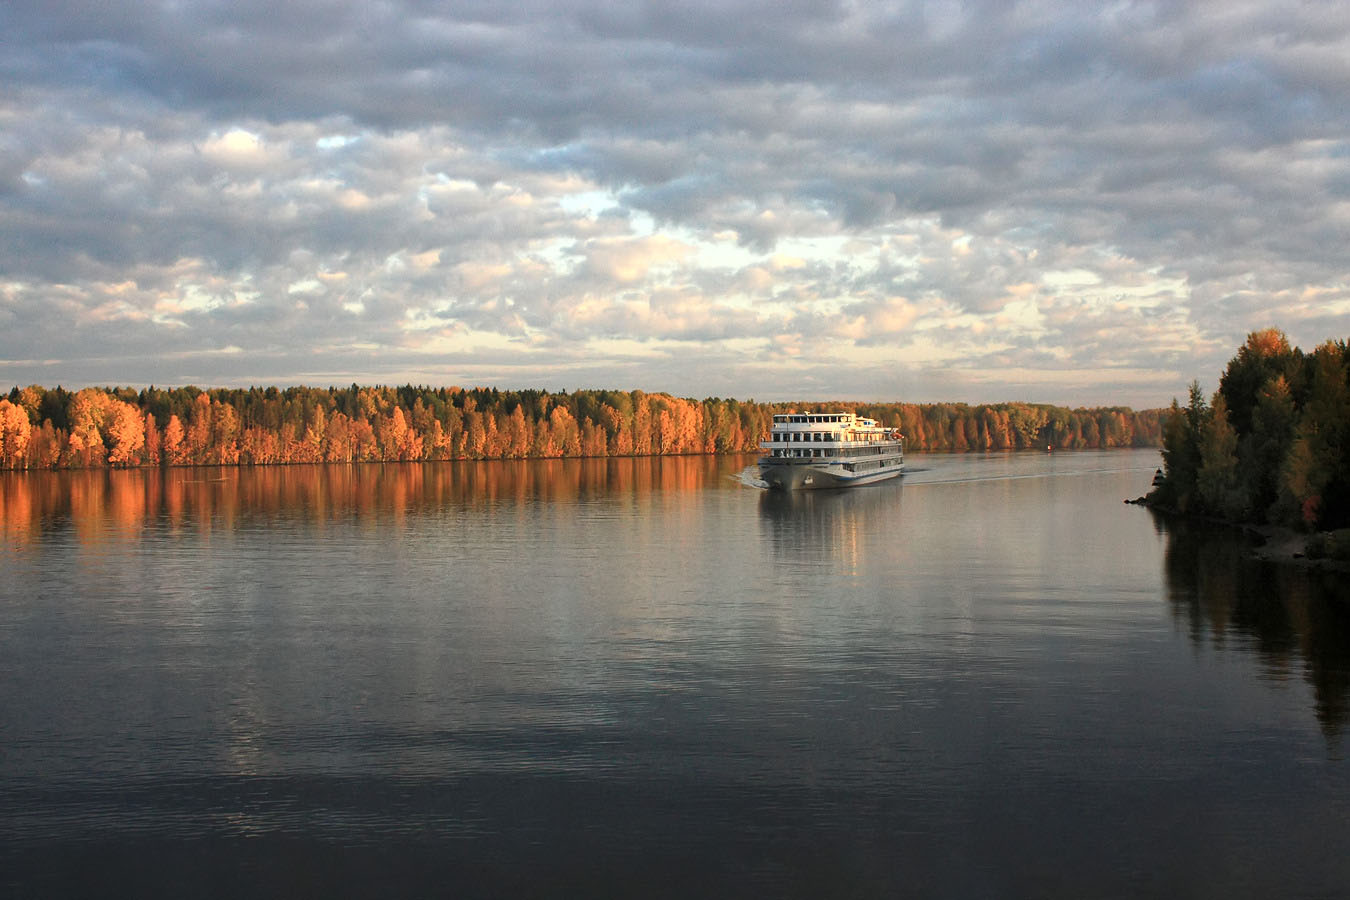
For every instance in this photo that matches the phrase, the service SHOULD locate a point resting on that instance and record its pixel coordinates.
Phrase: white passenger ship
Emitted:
(829, 450)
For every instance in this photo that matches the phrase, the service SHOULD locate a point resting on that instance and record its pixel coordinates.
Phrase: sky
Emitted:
(1072, 203)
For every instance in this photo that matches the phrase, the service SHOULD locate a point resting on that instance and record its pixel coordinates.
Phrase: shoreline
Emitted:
(1286, 546)
(1274, 543)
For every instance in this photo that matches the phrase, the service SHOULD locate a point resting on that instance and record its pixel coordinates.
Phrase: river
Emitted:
(650, 678)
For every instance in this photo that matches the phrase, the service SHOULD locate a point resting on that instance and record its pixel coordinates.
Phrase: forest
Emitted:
(44, 428)
(1273, 443)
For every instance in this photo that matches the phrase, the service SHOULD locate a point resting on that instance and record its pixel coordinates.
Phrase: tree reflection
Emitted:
(100, 505)
(1289, 616)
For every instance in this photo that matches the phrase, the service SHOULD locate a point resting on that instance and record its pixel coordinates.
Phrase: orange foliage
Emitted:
(1268, 342)
(127, 432)
(187, 426)
(173, 442)
(15, 434)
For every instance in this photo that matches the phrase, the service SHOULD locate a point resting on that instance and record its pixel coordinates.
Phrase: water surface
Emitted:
(648, 678)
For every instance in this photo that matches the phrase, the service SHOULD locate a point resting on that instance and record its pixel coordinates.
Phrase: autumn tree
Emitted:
(15, 433)
(152, 440)
(198, 438)
(173, 450)
(31, 400)
(44, 446)
(89, 412)
(260, 426)
(126, 431)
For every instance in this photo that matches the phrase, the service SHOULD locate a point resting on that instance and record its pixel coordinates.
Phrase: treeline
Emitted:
(1272, 444)
(123, 427)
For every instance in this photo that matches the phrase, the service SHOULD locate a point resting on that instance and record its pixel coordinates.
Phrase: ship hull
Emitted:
(791, 475)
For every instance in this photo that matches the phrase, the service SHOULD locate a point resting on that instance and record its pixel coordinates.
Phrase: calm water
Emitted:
(649, 678)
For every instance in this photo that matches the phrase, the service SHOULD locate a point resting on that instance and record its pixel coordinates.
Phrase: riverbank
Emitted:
(1273, 543)
(1285, 545)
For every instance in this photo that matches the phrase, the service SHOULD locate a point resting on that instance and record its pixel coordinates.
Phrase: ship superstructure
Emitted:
(829, 450)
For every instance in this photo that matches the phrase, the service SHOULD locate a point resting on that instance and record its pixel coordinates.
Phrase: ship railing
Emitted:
(777, 442)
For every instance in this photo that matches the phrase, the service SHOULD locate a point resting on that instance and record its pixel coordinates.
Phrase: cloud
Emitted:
(370, 189)
(631, 260)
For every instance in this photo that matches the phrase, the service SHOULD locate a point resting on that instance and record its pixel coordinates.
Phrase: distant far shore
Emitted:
(44, 428)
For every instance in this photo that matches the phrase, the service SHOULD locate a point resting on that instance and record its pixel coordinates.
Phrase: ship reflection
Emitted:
(829, 524)
(1294, 620)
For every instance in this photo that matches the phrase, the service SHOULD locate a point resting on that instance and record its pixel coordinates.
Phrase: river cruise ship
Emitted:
(829, 450)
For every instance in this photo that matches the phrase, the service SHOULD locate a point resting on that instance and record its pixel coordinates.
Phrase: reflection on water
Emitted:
(644, 676)
(101, 502)
(807, 525)
(1294, 619)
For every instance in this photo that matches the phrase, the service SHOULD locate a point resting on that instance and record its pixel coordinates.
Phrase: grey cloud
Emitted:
(1203, 142)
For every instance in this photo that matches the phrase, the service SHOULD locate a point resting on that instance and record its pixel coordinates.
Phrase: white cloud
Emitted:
(737, 200)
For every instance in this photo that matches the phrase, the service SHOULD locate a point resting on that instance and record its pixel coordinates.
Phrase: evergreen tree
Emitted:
(1217, 483)
(1265, 355)
(1261, 453)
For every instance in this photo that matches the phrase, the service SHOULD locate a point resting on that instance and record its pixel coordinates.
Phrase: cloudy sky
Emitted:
(1063, 202)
